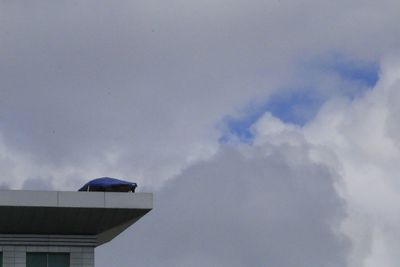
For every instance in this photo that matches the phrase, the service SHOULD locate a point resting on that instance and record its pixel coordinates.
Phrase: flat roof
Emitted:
(103, 214)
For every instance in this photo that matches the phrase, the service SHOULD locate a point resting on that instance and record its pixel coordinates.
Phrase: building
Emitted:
(62, 229)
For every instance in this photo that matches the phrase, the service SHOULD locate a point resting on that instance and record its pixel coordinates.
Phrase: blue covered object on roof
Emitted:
(108, 184)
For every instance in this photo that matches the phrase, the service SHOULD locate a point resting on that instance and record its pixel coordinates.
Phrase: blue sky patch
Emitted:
(240, 127)
(301, 105)
(295, 107)
(365, 73)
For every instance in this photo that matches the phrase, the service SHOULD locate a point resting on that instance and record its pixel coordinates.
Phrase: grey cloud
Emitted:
(253, 209)
(38, 183)
(4, 186)
(78, 85)
(147, 82)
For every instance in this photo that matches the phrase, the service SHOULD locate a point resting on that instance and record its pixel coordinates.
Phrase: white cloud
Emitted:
(359, 140)
(250, 206)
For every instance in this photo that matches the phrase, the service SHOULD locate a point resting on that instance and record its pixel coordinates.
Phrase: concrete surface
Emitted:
(100, 214)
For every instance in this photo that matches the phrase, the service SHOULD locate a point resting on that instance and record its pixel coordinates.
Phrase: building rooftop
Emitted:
(100, 214)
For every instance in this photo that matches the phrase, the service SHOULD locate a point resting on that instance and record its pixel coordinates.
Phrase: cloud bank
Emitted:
(329, 186)
(142, 90)
(137, 89)
(270, 206)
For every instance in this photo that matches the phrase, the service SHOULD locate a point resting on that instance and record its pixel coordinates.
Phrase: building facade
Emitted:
(62, 229)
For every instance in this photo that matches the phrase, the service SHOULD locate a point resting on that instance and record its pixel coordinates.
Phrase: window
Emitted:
(47, 260)
(1, 259)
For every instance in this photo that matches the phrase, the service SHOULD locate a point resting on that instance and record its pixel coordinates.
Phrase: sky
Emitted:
(267, 130)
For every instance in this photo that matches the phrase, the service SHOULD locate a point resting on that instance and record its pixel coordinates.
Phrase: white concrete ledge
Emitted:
(102, 215)
(70, 199)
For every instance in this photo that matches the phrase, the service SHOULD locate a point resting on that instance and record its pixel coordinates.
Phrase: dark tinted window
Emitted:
(47, 260)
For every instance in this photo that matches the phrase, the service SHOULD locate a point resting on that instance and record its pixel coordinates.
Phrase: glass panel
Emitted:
(58, 260)
(36, 260)
(47, 260)
(1, 259)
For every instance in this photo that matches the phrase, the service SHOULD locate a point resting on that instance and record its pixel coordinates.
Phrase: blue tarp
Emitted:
(107, 183)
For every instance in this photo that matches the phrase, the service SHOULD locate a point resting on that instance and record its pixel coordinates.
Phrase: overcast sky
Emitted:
(268, 130)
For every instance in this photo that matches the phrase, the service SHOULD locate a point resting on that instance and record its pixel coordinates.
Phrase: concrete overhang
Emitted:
(100, 214)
